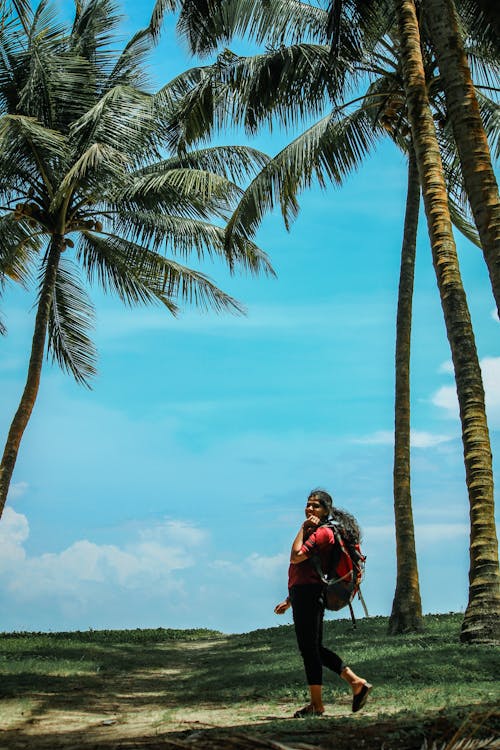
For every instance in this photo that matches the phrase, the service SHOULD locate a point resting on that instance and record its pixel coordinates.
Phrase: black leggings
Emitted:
(308, 610)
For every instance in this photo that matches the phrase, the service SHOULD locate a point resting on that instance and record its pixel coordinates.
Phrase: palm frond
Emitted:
(327, 151)
(23, 11)
(19, 178)
(38, 94)
(18, 249)
(190, 287)
(354, 26)
(92, 36)
(284, 85)
(484, 68)
(138, 276)
(41, 79)
(161, 7)
(116, 265)
(12, 49)
(207, 23)
(122, 119)
(183, 236)
(490, 114)
(235, 163)
(191, 111)
(99, 161)
(466, 227)
(481, 20)
(71, 317)
(129, 68)
(173, 281)
(28, 153)
(48, 143)
(193, 192)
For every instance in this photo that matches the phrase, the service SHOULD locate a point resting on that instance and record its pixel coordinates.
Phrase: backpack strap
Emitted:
(354, 626)
(316, 562)
(360, 597)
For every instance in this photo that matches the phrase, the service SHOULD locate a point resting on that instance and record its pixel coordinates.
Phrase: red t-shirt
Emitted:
(319, 543)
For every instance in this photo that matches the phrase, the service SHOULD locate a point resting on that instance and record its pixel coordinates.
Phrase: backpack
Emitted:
(345, 570)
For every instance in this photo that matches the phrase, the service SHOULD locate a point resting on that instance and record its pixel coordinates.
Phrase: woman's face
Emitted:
(314, 508)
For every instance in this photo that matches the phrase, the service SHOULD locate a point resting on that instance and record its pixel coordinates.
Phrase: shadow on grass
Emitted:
(403, 732)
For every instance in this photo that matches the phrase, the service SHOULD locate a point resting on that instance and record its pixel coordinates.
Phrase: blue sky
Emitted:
(170, 493)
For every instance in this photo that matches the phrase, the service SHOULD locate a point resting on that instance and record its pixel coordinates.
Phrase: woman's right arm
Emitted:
(309, 525)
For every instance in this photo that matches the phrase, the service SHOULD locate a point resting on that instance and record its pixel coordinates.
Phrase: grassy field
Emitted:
(152, 688)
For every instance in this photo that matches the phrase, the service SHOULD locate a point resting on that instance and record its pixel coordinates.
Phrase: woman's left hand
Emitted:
(282, 607)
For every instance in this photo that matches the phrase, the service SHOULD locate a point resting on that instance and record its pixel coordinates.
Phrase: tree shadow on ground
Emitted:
(398, 733)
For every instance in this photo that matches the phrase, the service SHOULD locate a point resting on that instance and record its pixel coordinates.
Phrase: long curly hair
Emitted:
(351, 531)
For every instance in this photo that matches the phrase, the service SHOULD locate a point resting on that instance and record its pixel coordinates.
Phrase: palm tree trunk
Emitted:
(482, 621)
(406, 613)
(468, 131)
(30, 392)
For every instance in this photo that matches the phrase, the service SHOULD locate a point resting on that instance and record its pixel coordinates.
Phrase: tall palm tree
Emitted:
(281, 79)
(87, 182)
(481, 622)
(462, 108)
(406, 614)
(386, 102)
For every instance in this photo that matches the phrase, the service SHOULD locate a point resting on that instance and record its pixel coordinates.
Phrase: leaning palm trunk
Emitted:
(463, 111)
(28, 398)
(481, 621)
(406, 613)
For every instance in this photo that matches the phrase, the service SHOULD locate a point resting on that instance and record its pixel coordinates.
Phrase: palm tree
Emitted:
(406, 614)
(88, 187)
(462, 107)
(276, 81)
(481, 621)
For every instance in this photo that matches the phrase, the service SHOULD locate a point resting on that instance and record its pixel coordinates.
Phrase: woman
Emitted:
(306, 599)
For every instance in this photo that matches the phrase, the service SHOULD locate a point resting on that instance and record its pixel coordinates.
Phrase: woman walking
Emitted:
(305, 596)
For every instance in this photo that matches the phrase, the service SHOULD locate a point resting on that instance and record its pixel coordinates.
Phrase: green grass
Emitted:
(416, 677)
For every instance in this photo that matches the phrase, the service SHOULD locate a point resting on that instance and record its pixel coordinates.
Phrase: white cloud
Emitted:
(255, 566)
(152, 560)
(259, 318)
(161, 575)
(14, 531)
(443, 532)
(494, 314)
(165, 531)
(490, 367)
(418, 439)
(384, 533)
(425, 534)
(428, 439)
(17, 489)
(446, 367)
(264, 566)
(381, 437)
(446, 397)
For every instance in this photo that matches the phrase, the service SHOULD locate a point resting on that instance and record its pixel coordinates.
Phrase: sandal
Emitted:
(360, 698)
(304, 713)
